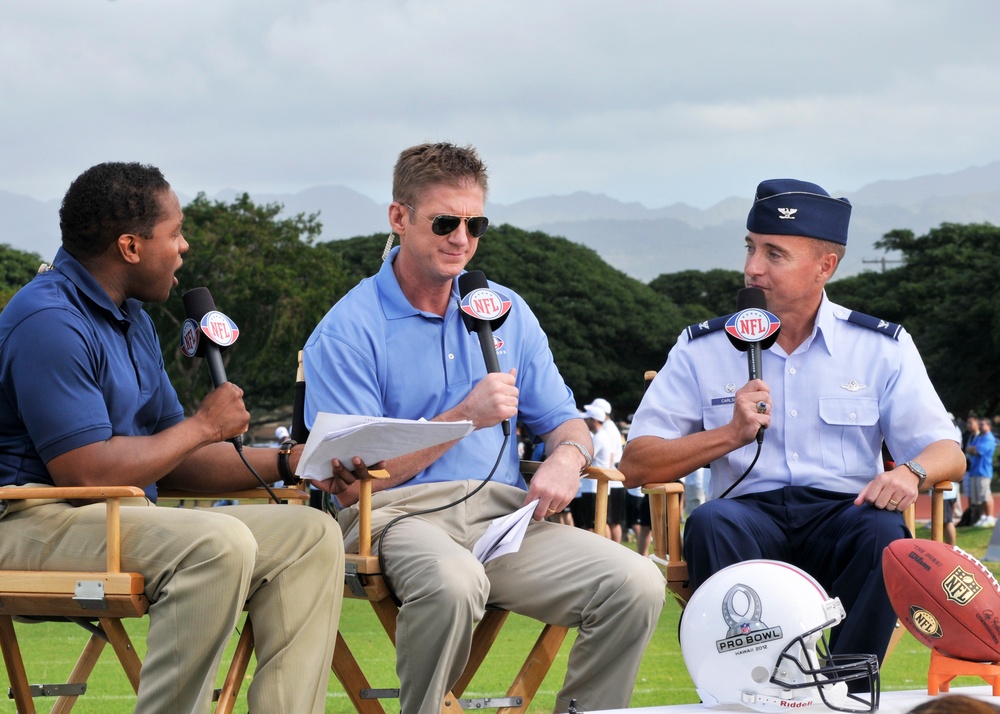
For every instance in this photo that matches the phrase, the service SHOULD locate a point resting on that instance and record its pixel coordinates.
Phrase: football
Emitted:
(946, 598)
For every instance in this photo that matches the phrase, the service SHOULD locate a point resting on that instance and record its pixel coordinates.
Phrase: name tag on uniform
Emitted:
(723, 400)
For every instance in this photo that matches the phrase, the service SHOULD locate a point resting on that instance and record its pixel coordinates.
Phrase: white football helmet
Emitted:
(753, 635)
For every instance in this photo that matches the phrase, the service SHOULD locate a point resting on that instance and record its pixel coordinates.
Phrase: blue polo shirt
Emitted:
(981, 463)
(374, 354)
(75, 369)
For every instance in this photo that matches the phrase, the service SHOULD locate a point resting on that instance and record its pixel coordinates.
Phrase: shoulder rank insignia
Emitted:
(889, 329)
(700, 329)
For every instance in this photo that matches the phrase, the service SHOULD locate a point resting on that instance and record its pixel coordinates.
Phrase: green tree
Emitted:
(265, 273)
(945, 295)
(705, 294)
(604, 328)
(16, 268)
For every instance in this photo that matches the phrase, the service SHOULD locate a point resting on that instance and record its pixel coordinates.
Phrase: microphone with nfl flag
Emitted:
(205, 333)
(752, 329)
(484, 310)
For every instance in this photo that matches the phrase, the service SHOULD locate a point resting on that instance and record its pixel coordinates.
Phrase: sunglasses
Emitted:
(444, 224)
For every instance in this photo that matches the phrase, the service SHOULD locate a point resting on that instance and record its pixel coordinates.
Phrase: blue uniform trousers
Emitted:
(821, 532)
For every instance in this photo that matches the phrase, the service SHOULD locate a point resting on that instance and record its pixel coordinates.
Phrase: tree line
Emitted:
(605, 329)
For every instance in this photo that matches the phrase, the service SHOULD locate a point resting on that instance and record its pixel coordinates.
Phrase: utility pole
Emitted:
(883, 260)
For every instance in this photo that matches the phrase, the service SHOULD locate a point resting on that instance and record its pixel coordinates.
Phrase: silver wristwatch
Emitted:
(919, 471)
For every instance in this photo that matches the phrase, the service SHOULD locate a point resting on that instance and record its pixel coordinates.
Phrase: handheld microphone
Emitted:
(484, 310)
(206, 332)
(751, 329)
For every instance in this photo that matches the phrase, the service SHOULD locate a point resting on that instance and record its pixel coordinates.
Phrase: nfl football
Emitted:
(946, 598)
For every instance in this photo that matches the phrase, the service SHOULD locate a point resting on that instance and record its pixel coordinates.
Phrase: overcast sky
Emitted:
(656, 102)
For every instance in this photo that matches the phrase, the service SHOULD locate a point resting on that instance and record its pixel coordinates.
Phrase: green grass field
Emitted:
(49, 652)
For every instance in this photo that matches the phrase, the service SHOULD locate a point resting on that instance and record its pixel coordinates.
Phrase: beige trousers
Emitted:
(561, 575)
(200, 567)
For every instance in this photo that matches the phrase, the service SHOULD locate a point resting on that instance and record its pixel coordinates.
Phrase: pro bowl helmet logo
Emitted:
(485, 304)
(752, 324)
(219, 328)
(741, 609)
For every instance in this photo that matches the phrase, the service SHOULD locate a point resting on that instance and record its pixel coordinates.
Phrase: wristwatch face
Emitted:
(917, 469)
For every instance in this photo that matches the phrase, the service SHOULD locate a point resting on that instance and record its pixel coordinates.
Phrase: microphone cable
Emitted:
(256, 475)
(753, 463)
(397, 519)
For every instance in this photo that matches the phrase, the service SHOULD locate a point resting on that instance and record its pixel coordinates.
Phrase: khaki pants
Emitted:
(561, 576)
(200, 568)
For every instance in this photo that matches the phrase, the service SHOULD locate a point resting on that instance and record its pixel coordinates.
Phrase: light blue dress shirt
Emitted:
(835, 398)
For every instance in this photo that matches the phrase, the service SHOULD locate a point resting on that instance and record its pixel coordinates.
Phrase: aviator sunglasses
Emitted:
(444, 224)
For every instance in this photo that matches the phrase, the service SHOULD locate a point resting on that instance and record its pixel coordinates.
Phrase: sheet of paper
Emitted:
(374, 439)
(504, 534)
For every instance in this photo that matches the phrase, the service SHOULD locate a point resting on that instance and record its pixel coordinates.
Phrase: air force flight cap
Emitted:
(798, 208)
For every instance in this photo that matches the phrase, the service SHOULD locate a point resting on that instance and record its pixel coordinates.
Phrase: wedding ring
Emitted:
(893, 503)
(762, 407)
(550, 511)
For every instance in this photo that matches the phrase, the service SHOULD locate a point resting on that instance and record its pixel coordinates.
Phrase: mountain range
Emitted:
(641, 242)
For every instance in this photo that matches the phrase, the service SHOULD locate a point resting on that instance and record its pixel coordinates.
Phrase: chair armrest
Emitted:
(365, 510)
(665, 515)
(604, 477)
(937, 508)
(111, 494)
(69, 493)
(286, 493)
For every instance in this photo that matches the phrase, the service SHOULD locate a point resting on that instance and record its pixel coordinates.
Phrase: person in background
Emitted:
(585, 503)
(835, 385)
(980, 452)
(397, 346)
(106, 415)
(694, 489)
(610, 440)
(970, 514)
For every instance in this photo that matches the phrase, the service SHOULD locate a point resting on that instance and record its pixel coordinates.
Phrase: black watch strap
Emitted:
(284, 471)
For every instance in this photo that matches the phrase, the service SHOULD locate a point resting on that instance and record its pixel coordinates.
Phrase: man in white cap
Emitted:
(584, 505)
(608, 426)
(616, 497)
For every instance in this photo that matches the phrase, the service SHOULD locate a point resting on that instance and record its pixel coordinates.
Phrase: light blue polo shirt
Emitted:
(75, 369)
(374, 354)
(843, 390)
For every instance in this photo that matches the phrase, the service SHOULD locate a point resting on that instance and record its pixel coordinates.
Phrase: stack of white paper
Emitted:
(374, 439)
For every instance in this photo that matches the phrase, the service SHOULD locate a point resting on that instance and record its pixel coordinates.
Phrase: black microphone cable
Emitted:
(753, 463)
(397, 519)
(258, 477)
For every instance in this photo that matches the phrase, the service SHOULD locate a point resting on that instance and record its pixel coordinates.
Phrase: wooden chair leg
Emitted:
(352, 679)
(15, 666)
(81, 672)
(122, 645)
(535, 667)
(483, 637)
(237, 670)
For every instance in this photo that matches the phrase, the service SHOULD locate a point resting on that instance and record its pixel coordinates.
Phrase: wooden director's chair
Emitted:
(97, 601)
(363, 580)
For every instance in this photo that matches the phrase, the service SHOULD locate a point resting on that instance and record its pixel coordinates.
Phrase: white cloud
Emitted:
(651, 101)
